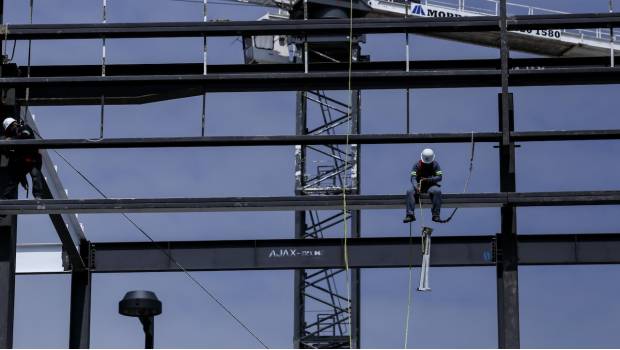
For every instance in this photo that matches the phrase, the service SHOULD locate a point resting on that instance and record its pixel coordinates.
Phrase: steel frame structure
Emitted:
(126, 84)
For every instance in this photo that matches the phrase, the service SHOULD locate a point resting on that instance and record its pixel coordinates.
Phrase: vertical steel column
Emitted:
(8, 234)
(507, 261)
(300, 222)
(79, 318)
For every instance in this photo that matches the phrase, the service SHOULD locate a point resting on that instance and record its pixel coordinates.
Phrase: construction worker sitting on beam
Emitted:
(21, 161)
(425, 177)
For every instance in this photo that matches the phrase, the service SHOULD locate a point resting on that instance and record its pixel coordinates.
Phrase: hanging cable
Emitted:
(13, 51)
(612, 39)
(408, 129)
(410, 279)
(31, 15)
(471, 169)
(306, 38)
(408, 92)
(187, 273)
(167, 254)
(102, 194)
(346, 167)
(103, 59)
(204, 68)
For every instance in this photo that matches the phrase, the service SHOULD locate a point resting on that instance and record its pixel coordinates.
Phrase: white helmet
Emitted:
(427, 156)
(7, 122)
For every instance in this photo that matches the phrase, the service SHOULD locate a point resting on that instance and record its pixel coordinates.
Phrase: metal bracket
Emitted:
(90, 251)
(496, 249)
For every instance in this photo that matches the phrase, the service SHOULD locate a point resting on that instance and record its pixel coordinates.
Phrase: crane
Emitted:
(557, 43)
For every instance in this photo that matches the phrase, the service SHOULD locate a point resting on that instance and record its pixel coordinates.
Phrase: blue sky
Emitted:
(560, 306)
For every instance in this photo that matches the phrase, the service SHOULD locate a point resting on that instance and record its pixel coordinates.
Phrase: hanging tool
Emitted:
(426, 258)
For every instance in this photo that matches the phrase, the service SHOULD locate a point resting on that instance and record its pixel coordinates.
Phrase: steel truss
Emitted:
(322, 314)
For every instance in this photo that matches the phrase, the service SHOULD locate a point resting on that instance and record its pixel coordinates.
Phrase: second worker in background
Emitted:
(425, 177)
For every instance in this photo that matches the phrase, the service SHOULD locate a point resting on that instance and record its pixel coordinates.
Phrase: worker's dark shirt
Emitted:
(22, 159)
(430, 172)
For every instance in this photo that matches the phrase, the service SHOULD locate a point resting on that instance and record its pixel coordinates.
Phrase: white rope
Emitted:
(31, 11)
(204, 69)
(306, 38)
(407, 58)
(103, 74)
(611, 38)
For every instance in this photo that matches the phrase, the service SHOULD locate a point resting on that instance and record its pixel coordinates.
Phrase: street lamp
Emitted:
(144, 305)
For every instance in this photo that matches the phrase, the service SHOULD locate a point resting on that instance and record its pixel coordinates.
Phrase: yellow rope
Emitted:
(409, 288)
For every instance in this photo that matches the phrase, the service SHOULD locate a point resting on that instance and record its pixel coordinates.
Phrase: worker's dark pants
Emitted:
(413, 197)
(10, 182)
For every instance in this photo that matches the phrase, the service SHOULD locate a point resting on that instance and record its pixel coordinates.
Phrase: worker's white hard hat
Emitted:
(7, 122)
(427, 156)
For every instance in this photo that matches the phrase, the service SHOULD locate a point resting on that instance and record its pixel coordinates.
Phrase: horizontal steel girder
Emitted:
(304, 27)
(381, 252)
(354, 202)
(311, 81)
(290, 140)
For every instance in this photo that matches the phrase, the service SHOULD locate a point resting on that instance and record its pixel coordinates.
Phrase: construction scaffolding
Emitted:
(326, 168)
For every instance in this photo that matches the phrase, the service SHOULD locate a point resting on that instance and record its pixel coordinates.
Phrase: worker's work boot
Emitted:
(436, 218)
(409, 218)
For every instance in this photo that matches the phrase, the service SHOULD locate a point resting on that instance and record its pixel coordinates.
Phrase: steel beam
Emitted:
(291, 140)
(279, 140)
(152, 91)
(76, 87)
(380, 252)
(534, 250)
(322, 202)
(304, 27)
(197, 68)
(288, 254)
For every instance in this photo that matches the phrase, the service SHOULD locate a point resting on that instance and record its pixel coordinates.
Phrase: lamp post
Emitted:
(144, 305)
